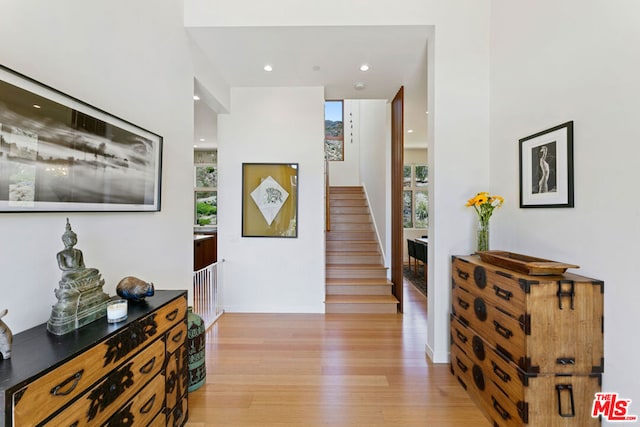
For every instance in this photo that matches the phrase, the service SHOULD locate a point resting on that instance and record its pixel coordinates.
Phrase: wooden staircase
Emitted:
(356, 277)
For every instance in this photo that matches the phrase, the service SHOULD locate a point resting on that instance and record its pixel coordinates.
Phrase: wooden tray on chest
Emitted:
(524, 263)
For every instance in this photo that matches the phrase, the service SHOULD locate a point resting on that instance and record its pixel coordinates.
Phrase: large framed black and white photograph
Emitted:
(58, 153)
(546, 168)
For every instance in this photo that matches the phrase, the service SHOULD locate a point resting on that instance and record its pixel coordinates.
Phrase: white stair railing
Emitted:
(207, 292)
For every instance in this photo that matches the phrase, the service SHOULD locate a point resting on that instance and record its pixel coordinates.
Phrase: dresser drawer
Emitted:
(169, 315)
(494, 365)
(529, 395)
(494, 286)
(54, 390)
(176, 337)
(502, 331)
(176, 372)
(560, 401)
(99, 403)
(178, 416)
(143, 407)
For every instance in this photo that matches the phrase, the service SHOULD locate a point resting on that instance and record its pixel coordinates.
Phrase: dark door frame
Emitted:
(397, 164)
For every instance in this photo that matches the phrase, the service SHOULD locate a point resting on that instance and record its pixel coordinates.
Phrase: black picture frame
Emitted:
(58, 153)
(546, 168)
(270, 200)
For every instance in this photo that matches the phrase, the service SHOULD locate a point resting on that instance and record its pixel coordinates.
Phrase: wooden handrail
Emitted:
(326, 194)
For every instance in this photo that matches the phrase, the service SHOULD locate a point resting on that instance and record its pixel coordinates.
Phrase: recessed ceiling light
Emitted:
(359, 86)
(410, 131)
(268, 67)
(196, 98)
(202, 139)
(36, 106)
(195, 146)
(364, 67)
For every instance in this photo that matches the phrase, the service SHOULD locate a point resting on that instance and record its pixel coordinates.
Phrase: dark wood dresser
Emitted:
(528, 349)
(130, 373)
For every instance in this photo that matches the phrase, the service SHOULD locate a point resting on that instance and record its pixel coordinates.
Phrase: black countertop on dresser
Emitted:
(37, 351)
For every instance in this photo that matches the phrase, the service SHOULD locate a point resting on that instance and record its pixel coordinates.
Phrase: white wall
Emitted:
(458, 120)
(273, 125)
(375, 143)
(582, 66)
(347, 172)
(111, 58)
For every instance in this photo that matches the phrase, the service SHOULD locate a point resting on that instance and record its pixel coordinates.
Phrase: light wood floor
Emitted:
(328, 370)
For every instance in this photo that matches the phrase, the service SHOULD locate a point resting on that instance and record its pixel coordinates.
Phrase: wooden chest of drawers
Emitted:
(528, 349)
(129, 373)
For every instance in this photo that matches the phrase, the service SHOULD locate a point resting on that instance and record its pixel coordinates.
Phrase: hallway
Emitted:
(328, 370)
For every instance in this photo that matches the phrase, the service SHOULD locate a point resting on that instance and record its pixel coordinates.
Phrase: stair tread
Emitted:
(352, 253)
(358, 282)
(361, 299)
(345, 188)
(356, 266)
(359, 241)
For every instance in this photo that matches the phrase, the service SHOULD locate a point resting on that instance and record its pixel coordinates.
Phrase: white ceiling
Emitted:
(324, 56)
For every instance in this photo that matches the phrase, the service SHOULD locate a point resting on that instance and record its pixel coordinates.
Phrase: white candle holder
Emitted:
(116, 310)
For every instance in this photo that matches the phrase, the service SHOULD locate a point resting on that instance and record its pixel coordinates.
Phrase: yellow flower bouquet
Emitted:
(484, 204)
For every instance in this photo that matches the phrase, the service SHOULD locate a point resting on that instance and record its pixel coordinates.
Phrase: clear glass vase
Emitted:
(482, 236)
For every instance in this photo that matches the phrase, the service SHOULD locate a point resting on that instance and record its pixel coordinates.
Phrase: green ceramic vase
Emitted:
(196, 344)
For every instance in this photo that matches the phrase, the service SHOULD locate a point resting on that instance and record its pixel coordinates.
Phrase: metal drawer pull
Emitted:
(148, 406)
(501, 411)
(148, 367)
(172, 316)
(462, 274)
(569, 388)
(502, 293)
(75, 378)
(566, 361)
(462, 303)
(502, 330)
(461, 336)
(177, 337)
(461, 365)
(500, 373)
(480, 309)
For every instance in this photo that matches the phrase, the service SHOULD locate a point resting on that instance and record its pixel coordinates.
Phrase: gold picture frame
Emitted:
(270, 200)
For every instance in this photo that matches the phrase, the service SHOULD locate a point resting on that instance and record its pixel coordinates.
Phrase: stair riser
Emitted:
(351, 235)
(342, 196)
(354, 259)
(347, 246)
(350, 218)
(338, 273)
(359, 290)
(351, 227)
(348, 210)
(361, 308)
(349, 202)
(346, 189)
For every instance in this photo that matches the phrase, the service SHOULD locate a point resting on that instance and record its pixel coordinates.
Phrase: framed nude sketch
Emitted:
(269, 200)
(546, 168)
